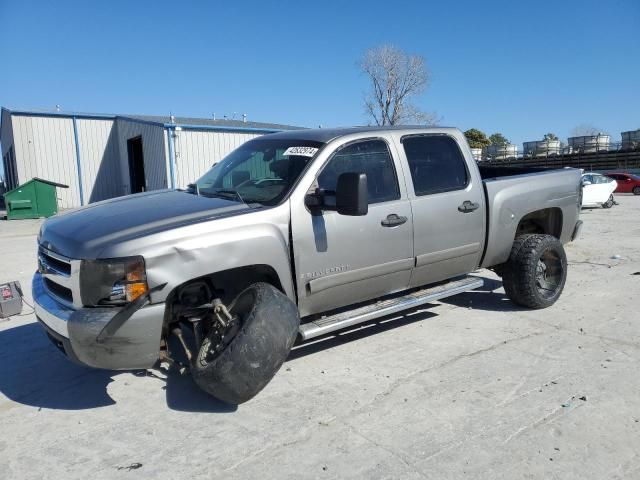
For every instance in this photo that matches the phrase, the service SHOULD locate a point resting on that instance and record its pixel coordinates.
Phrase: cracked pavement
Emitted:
(470, 387)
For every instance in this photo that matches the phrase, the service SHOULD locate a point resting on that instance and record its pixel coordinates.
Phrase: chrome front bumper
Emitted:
(136, 344)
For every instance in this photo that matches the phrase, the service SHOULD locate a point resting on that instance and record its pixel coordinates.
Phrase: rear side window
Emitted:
(601, 179)
(436, 164)
(371, 157)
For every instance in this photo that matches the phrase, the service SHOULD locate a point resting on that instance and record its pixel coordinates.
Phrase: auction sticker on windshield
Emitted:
(301, 151)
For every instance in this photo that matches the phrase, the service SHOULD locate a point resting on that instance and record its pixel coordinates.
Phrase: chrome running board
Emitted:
(382, 308)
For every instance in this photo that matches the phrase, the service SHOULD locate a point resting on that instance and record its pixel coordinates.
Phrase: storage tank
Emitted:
(477, 154)
(541, 148)
(501, 152)
(590, 143)
(631, 140)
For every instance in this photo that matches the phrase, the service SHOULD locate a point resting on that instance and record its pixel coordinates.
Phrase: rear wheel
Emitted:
(609, 202)
(236, 362)
(636, 190)
(535, 274)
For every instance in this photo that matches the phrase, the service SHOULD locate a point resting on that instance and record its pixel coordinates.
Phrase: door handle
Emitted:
(468, 207)
(393, 220)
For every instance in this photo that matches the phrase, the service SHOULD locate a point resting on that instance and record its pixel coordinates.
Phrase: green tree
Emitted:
(498, 139)
(476, 138)
(551, 136)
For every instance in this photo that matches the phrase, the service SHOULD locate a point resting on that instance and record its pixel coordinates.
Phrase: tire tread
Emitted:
(520, 270)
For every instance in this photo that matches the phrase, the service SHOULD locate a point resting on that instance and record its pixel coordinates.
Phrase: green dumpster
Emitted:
(33, 199)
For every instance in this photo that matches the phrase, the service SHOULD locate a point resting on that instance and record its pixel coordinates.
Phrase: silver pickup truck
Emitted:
(292, 236)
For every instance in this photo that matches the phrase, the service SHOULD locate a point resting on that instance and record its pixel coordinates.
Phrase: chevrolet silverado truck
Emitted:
(292, 236)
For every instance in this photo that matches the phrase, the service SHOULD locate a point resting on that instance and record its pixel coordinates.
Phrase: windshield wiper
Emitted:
(232, 192)
(222, 193)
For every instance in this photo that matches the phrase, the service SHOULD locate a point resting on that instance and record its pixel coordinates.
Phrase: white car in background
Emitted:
(597, 190)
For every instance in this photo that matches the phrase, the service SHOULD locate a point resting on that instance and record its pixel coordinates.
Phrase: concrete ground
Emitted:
(471, 387)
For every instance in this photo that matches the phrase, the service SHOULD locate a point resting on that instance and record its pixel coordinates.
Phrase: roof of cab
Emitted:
(326, 135)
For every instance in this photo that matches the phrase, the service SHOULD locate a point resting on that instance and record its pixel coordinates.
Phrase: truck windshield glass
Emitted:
(260, 171)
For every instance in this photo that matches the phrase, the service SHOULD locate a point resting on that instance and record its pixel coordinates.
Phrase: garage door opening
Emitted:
(136, 165)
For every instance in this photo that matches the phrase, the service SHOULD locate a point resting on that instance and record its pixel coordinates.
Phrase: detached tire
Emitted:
(269, 326)
(535, 274)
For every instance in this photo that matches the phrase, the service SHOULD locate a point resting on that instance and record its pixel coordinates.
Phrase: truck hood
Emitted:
(86, 232)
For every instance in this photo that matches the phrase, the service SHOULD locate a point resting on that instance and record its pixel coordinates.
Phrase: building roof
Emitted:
(161, 120)
(209, 122)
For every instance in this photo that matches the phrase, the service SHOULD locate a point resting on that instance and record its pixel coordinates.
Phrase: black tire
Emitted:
(268, 331)
(580, 198)
(636, 190)
(609, 203)
(535, 274)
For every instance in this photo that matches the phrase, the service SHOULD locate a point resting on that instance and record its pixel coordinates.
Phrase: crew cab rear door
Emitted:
(448, 207)
(341, 260)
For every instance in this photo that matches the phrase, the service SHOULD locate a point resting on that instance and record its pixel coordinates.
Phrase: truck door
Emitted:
(341, 260)
(447, 200)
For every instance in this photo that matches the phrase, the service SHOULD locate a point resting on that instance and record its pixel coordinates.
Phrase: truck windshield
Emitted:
(260, 171)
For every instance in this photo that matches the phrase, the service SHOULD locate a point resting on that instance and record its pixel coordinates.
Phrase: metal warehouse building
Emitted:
(102, 156)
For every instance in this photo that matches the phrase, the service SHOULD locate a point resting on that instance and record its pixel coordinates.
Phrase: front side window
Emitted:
(260, 171)
(436, 164)
(371, 157)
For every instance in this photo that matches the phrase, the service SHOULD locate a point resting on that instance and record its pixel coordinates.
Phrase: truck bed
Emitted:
(512, 193)
(498, 171)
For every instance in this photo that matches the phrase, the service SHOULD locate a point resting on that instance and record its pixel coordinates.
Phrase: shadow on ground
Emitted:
(485, 298)
(33, 372)
(361, 331)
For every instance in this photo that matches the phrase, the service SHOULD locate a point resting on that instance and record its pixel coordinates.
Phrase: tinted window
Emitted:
(436, 164)
(371, 157)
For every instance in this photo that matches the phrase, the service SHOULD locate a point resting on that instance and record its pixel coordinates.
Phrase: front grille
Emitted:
(58, 274)
(59, 291)
(52, 264)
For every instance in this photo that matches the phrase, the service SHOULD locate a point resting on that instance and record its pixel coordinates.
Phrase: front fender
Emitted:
(185, 253)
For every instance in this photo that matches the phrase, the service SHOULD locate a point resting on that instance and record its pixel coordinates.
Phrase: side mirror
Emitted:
(585, 183)
(352, 196)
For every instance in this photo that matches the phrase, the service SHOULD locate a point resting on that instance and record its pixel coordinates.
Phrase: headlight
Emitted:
(113, 281)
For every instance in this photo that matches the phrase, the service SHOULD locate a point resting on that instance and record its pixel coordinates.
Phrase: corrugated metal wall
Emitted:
(8, 161)
(6, 134)
(197, 150)
(154, 151)
(99, 160)
(45, 148)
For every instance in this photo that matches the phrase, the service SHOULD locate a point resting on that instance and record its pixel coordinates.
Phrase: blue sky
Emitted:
(519, 67)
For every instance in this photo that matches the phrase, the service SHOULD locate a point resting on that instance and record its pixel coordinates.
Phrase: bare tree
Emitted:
(396, 79)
